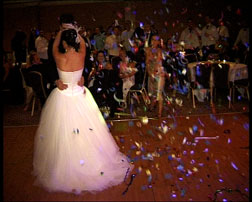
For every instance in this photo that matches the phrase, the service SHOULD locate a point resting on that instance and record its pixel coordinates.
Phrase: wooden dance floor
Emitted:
(186, 158)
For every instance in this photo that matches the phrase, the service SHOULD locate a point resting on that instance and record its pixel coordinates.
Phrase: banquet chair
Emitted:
(221, 80)
(34, 79)
(242, 83)
(140, 89)
(115, 62)
(28, 90)
(202, 81)
(191, 57)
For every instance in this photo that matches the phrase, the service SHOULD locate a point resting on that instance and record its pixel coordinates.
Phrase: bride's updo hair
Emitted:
(69, 36)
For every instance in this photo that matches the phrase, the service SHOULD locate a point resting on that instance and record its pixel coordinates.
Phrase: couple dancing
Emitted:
(73, 149)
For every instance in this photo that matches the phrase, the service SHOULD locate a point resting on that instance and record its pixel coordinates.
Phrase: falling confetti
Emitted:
(234, 166)
(82, 162)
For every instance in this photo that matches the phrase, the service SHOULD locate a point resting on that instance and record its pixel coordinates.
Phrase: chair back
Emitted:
(144, 79)
(220, 75)
(23, 78)
(34, 79)
(115, 61)
(140, 85)
(202, 75)
(192, 57)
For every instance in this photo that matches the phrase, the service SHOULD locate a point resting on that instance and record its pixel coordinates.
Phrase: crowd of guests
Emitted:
(117, 59)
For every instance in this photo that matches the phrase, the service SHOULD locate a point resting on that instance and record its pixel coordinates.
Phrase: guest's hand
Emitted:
(92, 73)
(61, 85)
(81, 81)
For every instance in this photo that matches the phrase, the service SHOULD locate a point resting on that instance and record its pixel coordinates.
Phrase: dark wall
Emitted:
(168, 16)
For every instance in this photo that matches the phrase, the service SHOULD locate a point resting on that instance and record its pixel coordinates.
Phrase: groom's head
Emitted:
(66, 18)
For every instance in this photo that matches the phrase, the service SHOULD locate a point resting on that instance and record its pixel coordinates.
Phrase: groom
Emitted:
(66, 19)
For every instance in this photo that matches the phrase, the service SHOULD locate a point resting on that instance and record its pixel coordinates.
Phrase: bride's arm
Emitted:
(56, 44)
(82, 49)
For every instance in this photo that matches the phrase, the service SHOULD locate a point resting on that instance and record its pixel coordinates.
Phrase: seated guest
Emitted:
(99, 64)
(241, 45)
(102, 83)
(127, 73)
(222, 45)
(190, 38)
(209, 37)
(35, 64)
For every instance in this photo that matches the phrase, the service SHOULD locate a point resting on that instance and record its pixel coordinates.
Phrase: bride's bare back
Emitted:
(71, 60)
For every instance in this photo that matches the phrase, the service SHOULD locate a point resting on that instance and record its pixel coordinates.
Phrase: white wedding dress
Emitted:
(74, 150)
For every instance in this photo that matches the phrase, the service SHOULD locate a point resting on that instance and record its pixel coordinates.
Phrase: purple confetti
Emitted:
(201, 132)
(144, 187)
(212, 117)
(220, 122)
(173, 195)
(180, 167)
(234, 166)
(246, 126)
(195, 128)
(131, 123)
(201, 123)
(207, 142)
(192, 161)
(121, 140)
(168, 176)
(183, 192)
(149, 179)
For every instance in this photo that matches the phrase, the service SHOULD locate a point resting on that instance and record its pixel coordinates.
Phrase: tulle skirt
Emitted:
(74, 150)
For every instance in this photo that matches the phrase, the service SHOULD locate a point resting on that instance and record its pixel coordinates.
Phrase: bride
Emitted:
(73, 149)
